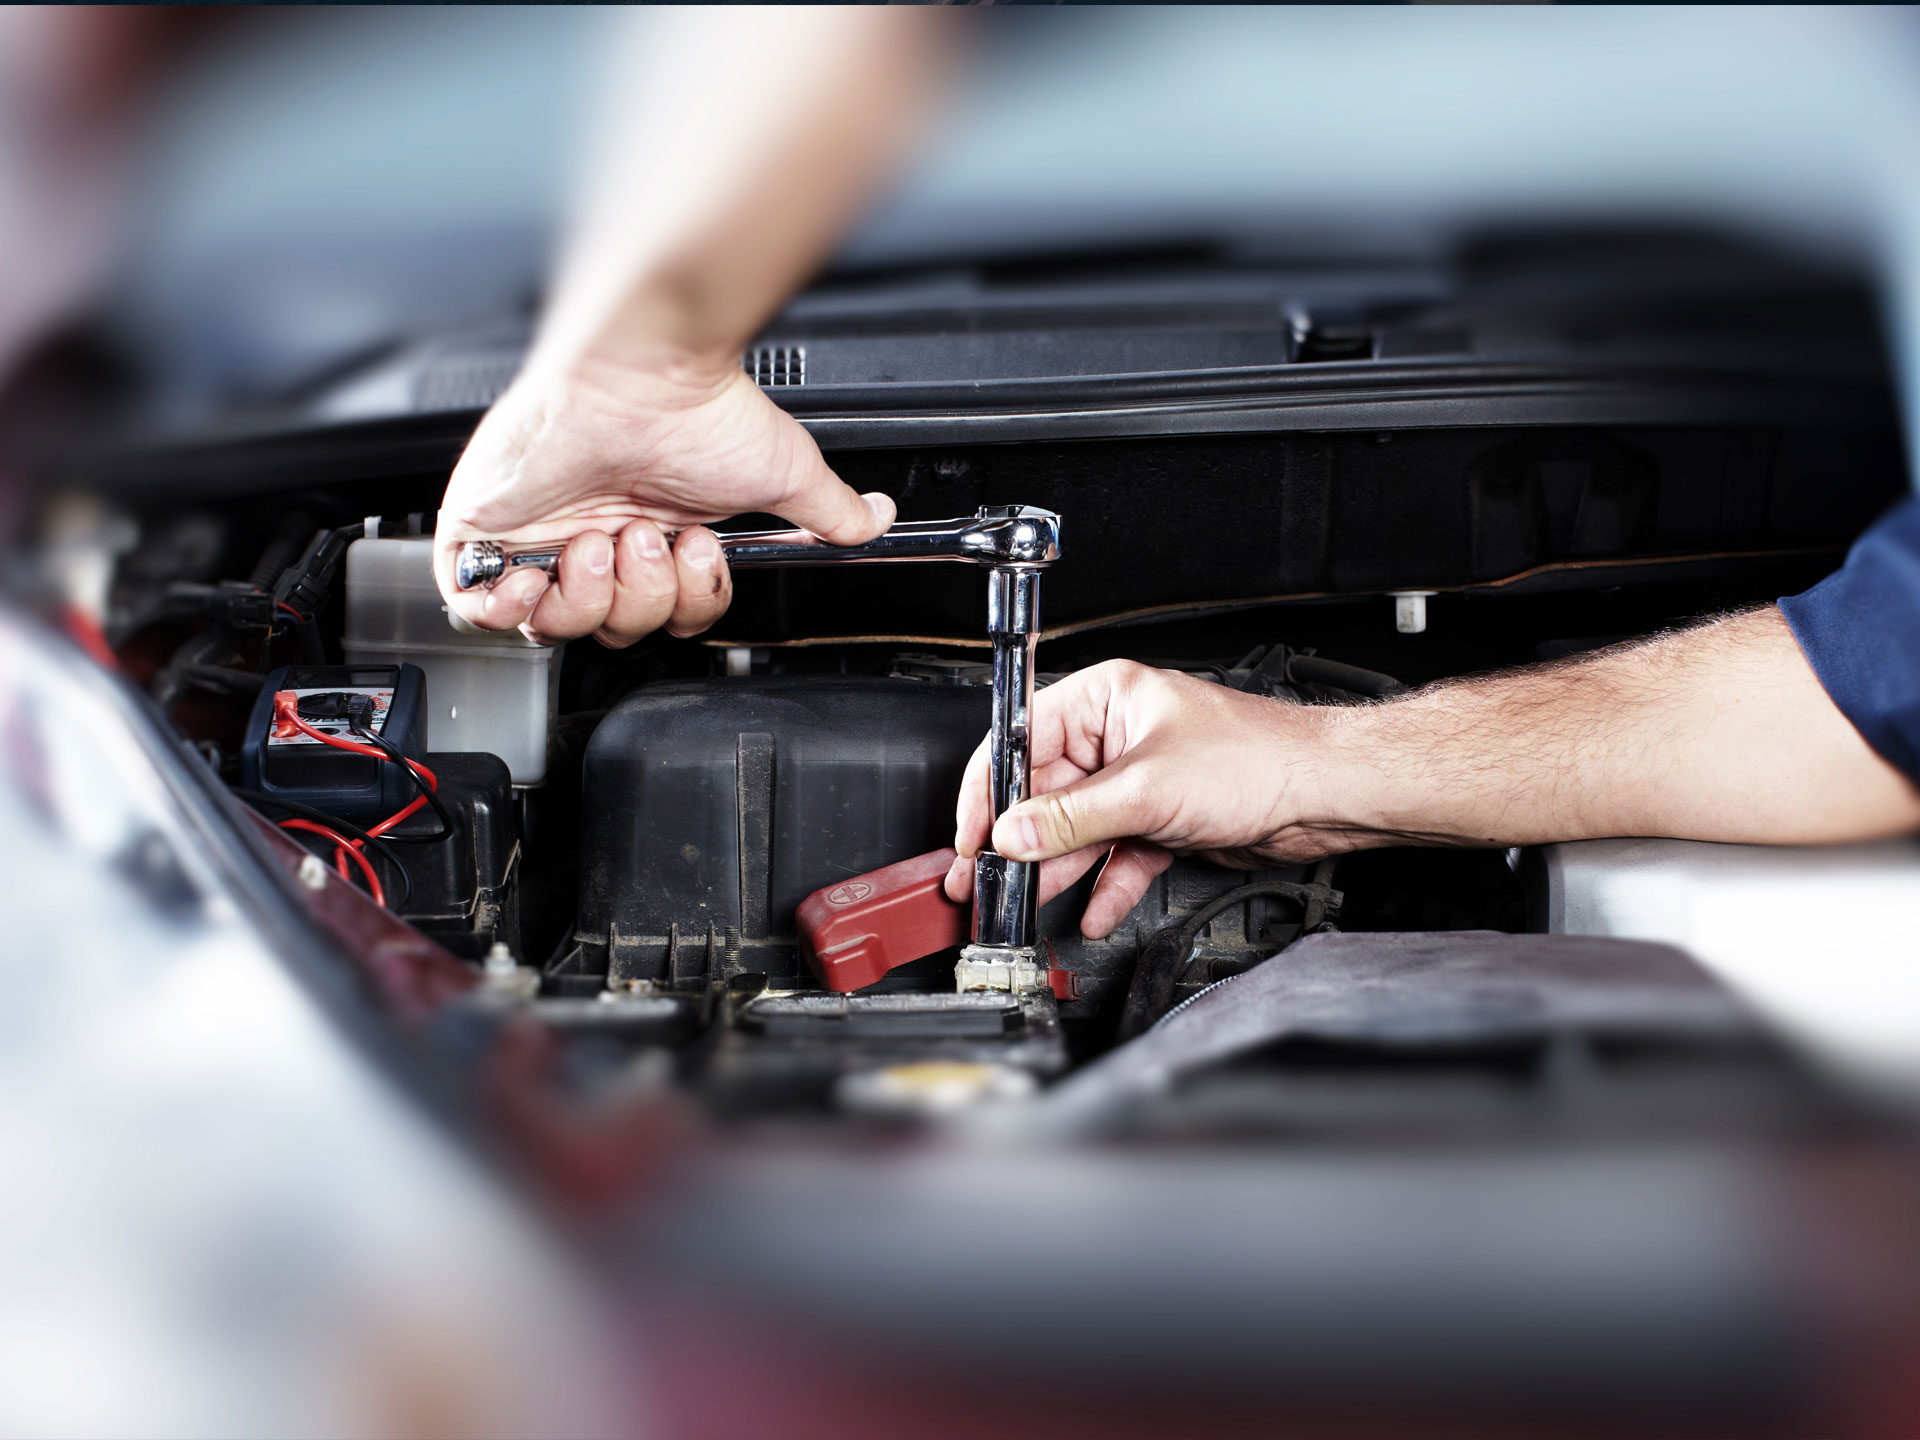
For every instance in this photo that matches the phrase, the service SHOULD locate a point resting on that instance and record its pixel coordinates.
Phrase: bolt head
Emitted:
(312, 873)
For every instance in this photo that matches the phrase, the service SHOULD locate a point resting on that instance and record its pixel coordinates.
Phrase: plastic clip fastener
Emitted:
(855, 931)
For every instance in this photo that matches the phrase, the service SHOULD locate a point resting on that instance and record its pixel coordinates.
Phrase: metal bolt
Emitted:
(312, 873)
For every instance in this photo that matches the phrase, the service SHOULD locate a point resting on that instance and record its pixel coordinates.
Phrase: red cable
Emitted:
(285, 709)
(412, 807)
(88, 635)
(286, 706)
(344, 850)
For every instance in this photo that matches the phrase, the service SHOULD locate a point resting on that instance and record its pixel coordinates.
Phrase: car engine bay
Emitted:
(622, 841)
(692, 886)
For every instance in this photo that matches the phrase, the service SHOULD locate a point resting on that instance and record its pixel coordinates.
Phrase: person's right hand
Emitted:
(610, 457)
(1139, 765)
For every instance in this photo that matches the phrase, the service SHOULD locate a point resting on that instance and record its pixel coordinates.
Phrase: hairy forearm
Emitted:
(1716, 733)
(740, 145)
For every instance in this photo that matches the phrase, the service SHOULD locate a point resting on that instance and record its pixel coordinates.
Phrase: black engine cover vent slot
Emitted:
(777, 364)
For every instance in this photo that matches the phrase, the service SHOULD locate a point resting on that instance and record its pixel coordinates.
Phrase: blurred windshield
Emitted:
(320, 183)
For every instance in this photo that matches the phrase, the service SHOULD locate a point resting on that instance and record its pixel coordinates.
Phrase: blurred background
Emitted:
(223, 1219)
(298, 189)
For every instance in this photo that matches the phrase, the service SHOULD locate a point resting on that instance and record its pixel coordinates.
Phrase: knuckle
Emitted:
(1133, 796)
(652, 580)
(1129, 677)
(575, 614)
(1062, 813)
(689, 620)
(701, 609)
(703, 601)
(635, 612)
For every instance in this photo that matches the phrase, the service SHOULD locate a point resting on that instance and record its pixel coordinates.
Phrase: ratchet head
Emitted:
(1015, 536)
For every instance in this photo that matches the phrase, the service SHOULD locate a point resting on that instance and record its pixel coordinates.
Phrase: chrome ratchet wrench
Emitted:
(1015, 543)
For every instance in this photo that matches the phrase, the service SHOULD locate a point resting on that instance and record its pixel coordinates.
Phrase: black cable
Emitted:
(307, 634)
(352, 832)
(289, 539)
(1276, 665)
(1314, 670)
(388, 748)
(204, 647)
(1165, 954)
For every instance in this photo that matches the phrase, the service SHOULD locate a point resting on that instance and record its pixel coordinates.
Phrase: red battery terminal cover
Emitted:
(855, 931)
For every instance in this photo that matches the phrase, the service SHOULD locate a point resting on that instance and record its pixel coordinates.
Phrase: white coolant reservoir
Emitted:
(486, 690)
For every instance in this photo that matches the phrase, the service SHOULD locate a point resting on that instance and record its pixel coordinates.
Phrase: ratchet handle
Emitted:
(1018, 537)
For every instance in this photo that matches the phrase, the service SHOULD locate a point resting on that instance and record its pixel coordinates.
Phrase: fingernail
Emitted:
(648, 540)
(702, 551)
(882, 507)
(1028, 832)
(599, 554)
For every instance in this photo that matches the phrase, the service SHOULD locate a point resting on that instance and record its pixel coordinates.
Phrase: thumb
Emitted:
(1106, 806)
(818, 500)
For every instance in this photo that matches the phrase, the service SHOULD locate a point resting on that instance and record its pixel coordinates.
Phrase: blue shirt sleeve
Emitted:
(1860, 630)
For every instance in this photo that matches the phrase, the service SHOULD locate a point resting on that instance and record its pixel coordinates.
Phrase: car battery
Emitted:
(279, 760)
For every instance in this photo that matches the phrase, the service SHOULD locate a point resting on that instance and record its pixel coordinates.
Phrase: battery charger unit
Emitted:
(280, 761)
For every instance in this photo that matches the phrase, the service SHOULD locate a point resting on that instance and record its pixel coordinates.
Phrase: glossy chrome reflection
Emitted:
(1006, 892)
(996, 535)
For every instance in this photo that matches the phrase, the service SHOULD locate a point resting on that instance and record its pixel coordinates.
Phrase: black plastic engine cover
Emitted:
(464, 887)
(713, 808)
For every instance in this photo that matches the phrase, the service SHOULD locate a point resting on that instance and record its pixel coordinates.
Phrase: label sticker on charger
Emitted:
(339, 723)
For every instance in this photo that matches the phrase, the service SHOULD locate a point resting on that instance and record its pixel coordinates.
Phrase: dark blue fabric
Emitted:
(1860, 630)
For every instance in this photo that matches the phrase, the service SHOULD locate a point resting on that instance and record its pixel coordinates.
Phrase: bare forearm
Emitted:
(742, 143)
(1716, 733)
(739, 148)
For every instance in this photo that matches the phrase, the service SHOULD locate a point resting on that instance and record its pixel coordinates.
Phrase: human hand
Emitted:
(611, 457)
(1139, 765)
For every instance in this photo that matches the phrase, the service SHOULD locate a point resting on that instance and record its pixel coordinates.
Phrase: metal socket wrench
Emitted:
(1006, 893)
(999, 535)
(1015, 542)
